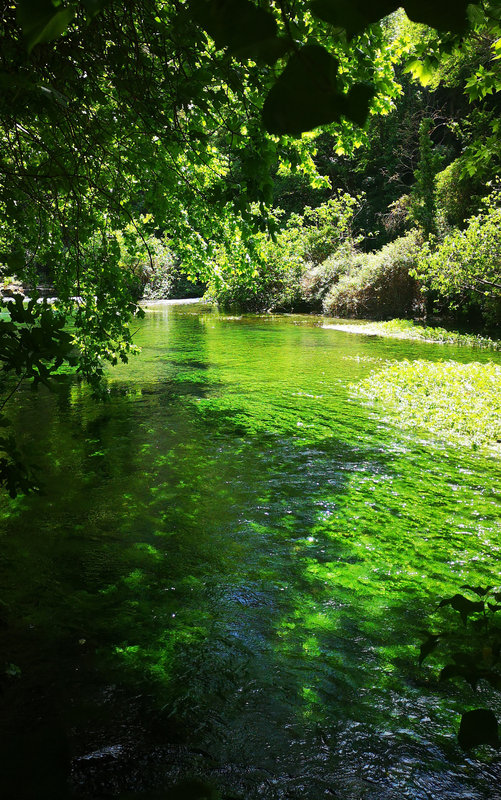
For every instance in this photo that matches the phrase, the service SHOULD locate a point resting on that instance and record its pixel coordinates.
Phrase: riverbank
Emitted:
(146, 304)
(406, 329)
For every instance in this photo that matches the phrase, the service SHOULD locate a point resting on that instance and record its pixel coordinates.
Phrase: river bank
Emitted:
(406, 329)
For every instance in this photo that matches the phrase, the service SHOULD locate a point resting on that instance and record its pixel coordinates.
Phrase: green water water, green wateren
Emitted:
(230, 569)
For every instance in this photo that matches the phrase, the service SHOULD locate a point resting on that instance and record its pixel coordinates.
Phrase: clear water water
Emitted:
(231, 567)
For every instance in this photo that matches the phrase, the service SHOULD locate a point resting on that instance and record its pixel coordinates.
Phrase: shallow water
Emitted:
(231, 568)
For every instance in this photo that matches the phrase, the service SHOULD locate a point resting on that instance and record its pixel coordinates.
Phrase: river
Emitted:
(230, 570)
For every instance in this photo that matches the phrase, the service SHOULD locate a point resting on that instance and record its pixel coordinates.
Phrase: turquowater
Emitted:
(231, 567)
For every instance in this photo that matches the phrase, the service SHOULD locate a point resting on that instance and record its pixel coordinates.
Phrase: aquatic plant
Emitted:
(457, 402)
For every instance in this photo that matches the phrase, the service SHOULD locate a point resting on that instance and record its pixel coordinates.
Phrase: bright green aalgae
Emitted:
(255, 554)
(459, 402)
